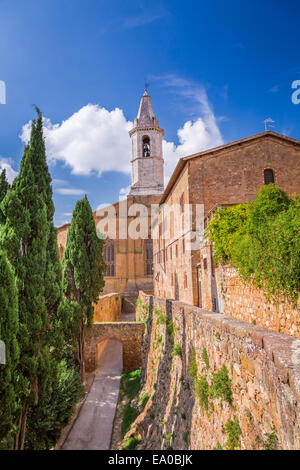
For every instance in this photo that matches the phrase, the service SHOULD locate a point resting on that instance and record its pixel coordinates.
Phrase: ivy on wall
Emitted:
(261, 240)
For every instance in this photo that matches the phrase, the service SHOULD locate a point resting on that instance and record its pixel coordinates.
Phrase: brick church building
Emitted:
(129, 256)
(222, 176)
(147, 234)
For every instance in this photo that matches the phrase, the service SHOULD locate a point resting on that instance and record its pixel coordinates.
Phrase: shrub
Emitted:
(143, 400)
(177, 350)
(221, 385)
(233, 431)
(129, 416)
(55, 407)
(193, 369)
(130, 443)
(271, 441)
(202, 392)
(205, 358)
(262, 240)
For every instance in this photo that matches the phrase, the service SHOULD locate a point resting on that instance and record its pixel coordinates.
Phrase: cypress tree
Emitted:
(42, 178)
(56, 375)
(25, 236)
(46, 319)
(4, 187)
(83, 268)
(8, 372)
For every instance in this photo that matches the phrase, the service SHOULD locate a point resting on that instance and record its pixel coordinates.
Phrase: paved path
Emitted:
(127, 316)
(93, 428)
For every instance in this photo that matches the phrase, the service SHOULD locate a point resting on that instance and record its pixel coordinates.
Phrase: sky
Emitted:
(216, 70)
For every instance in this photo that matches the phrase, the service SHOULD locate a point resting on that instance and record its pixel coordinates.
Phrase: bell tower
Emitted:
(147, 157)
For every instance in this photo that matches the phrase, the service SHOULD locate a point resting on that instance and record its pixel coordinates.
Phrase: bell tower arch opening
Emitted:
(146, 146)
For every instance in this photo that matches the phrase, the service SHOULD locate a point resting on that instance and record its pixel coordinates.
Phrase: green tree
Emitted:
(4, 187)
(46, 367)
(8, 372)
(25, 237)
(42, 178)
(262, 240)
(83, 269)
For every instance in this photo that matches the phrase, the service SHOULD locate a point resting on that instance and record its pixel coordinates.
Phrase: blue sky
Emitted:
(217, 69)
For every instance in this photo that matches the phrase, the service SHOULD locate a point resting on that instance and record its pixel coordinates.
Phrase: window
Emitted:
(109, 257)
(146, 146)
(170, 253)
(149, 257)
(205, 263)
(181, 202)
(185, 281)
(269, 176)
(176, 250)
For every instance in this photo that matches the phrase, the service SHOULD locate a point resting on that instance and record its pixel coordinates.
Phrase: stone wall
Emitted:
(129, 333)
(108, 308)
(245, 302)
(256, 407)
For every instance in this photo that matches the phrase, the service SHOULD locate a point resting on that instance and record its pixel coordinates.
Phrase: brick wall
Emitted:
(263, 368)
(228, 175)
(130, 268)
(108, 308)
(130, 334)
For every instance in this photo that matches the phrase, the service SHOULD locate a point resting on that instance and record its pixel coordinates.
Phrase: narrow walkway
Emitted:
(127, 316)
(93, 428)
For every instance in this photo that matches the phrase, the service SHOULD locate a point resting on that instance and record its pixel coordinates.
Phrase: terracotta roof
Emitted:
(182, 161)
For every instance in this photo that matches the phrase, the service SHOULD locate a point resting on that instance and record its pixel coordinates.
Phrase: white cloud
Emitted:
(92, 140)
(197, 135)
(96, 140)
(5, 164)
(103, 205)
(70, 191)
(142, 19)
(123, 193)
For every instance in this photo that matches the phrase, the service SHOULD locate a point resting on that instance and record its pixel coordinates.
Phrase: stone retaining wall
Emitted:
(245, 302)
(263, 369)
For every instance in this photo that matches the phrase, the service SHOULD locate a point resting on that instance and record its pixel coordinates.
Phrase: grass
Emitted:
(129, 388)
(143, 400)
(130, 443)
(177, 350)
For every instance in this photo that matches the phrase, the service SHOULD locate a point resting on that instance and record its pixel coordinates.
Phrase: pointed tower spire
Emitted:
(147, 158)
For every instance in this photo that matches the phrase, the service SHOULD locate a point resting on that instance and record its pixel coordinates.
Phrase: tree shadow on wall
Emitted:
(153, 425)
(171, 431)
(186, 401)
(147, 340)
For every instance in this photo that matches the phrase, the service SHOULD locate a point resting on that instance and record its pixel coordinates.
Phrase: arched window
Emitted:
(269, 176)
(109, 257)
(146, 146)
